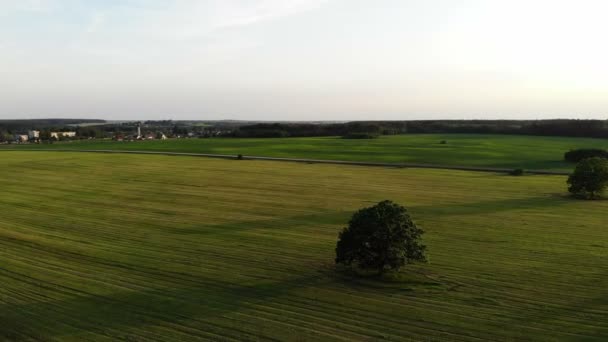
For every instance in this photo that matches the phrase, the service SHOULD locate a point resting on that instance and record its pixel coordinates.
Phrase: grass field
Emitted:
(132, 247)
(498, 151)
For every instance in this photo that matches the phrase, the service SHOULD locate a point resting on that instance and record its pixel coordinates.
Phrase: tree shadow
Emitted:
(189, 311)
(548, 164)
(292, 222)
(491, 207)
(414, 278)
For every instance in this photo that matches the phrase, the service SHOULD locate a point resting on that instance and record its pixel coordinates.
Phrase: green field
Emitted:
(498, 151)
(134, 247)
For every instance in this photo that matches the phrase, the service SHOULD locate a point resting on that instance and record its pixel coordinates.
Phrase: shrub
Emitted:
(239, 157)
(590, 178)
(443, 142)
(360, 136)
(517, 172)
(575, 156)
(261, 133)
(382, 237)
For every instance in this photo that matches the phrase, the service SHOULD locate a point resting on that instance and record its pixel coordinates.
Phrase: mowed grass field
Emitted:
(496, 151)
(135, 247)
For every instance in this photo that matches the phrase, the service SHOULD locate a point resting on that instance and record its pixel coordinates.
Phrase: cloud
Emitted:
(7, 6)
(96, 22)
(130, 29)
(193, 19)
(239, 15)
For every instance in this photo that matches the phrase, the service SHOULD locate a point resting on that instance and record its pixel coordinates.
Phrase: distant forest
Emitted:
(355, 130)
(25, 125)
(568, 128)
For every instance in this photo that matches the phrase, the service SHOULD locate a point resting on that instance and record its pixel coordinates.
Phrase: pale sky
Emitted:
(304, 59)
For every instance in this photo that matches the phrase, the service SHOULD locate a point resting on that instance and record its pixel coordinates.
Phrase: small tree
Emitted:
(7, 137)
(517, 172)
(382, 237)
(590, 178)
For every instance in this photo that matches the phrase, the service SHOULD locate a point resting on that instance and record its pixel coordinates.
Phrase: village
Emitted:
(36, 136)
(131, 131)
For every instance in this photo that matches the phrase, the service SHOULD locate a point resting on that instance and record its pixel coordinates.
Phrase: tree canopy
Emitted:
(590, 178)
(576, 156)
(382, 237)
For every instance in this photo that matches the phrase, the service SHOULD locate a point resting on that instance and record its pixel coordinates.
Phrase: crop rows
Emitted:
(102, 247)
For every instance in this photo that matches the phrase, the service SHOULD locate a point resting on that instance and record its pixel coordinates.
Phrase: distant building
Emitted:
(33, 135)
(21, 137)
(58, 135)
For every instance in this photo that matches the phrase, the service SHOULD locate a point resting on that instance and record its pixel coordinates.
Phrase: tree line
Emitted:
(567, 128)
(27, 124)
(355, 129)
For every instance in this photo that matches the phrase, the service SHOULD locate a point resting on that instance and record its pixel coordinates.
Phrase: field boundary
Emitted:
(304, 160)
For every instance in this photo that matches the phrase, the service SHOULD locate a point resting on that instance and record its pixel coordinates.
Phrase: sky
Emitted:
(304, 59)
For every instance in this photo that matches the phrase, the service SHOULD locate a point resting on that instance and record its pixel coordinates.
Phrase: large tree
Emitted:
(590, 178)
(382, 237)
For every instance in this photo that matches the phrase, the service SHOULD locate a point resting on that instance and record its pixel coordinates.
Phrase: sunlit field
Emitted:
(476, 150)
(99, 247)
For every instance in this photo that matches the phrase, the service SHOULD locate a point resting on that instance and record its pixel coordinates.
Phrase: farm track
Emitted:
(308, 161)
(470, 151)
(170, 248)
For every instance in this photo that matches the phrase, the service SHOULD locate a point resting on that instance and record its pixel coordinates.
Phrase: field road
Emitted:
(301, 160)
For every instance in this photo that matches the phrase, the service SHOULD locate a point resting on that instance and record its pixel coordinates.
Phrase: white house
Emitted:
(33, 134)
(21, 137)
(57, 135)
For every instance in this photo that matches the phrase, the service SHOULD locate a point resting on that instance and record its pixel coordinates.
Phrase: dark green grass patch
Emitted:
(502, 151)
